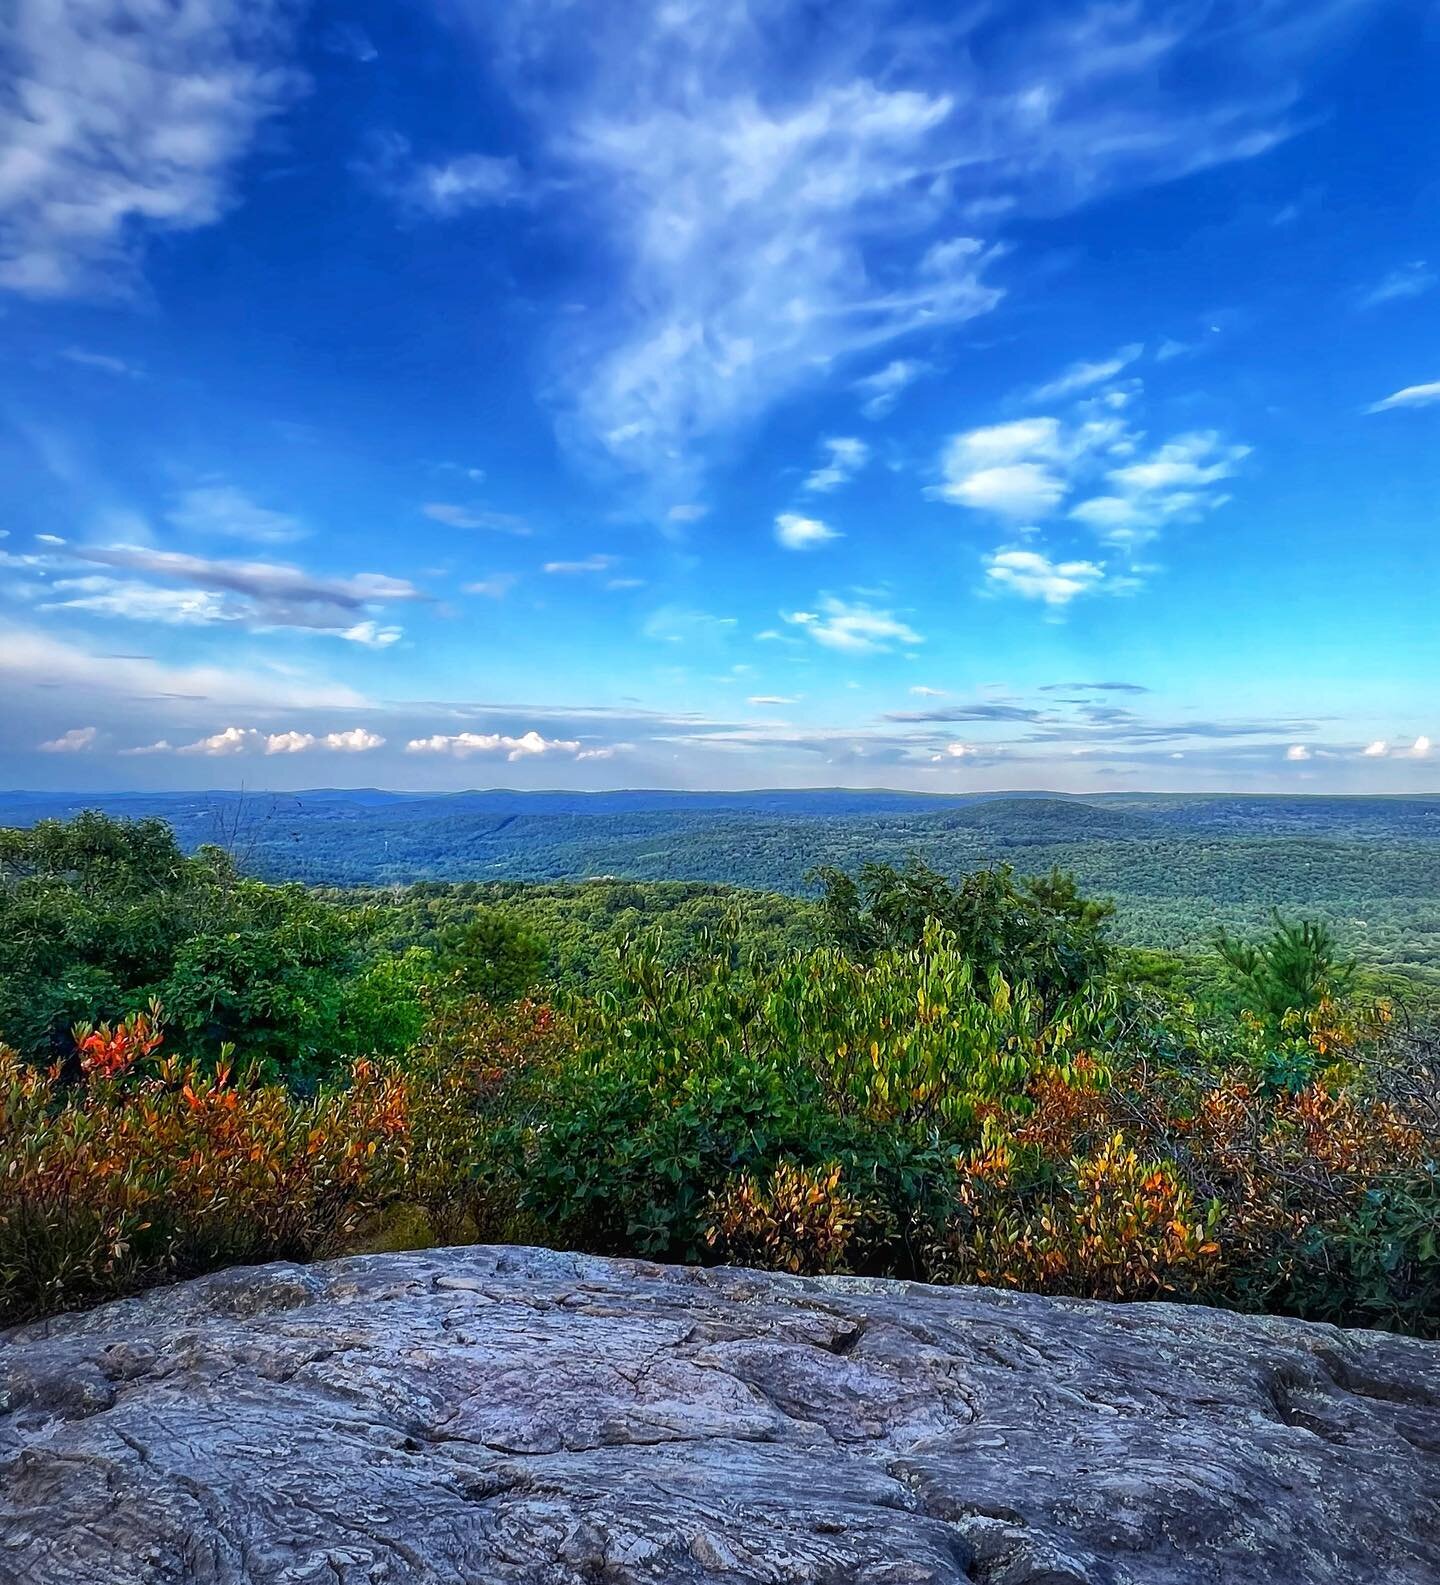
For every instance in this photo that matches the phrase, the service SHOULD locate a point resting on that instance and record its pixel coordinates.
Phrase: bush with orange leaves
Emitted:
(465, 1083)
(1109, 1224)
(146, 1171)
(1205, 1179)
(798, 1219)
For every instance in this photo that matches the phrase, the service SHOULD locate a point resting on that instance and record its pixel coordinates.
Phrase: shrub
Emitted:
(148, 1170)
(799, 1219)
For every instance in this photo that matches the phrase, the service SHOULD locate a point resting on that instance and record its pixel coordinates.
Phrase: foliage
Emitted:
(150, 1169)
(493, 955)
(99, 917)
(964, 1083)
(1292, 971)
(799, 1219)
(1037, 929)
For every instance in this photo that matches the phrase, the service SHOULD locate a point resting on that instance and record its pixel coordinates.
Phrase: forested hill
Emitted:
(1178, 866)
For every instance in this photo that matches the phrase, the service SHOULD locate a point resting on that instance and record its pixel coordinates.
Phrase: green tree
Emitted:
(1038, 929)
(493, 955)
(1293, 969)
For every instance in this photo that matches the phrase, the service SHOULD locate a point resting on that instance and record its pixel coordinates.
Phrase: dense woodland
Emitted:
(1179, 868)
(961, 1074)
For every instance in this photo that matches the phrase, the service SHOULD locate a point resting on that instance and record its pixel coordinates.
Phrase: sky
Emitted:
(698, 393)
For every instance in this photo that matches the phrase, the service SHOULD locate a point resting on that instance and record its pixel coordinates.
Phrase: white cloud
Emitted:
(1083, 375)
(372, 635)
(771, 699)
(289, 742)
(463, 745)
(76, 741)
(1189, 462)
(780, 197)
(1174, 483)
(440, 189)
(357, 740)
(1016, 470)
(1019, 490)
(104, 362)
(1026, 469)
(140, 602)
(256, 594)
(1297, 751)
(854, 628)
(222, 510)
(577, 568)
(495, 587)
(122, 119)
(1034, 576)
(1410, 280)
(802, 533)
(922, 692)
(230, 740)
(1419, 749)
(1377, 750)
(686, 512)
(454, 515)
(847, 457)
(28, 656)
(679, 624)
(1411, 396)
(882, 389)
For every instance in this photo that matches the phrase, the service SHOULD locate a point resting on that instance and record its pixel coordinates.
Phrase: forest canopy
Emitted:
(951, 1077)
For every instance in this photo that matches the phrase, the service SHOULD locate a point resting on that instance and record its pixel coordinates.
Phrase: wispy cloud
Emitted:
(572, 569)
(103, 362)
(495, 587)
(224, 511)
(261, 580)
(846, 458)
(1084, 376)
(454, 515)
(883, 388)
(121, 120)
(682, 624)
(780, 190)
(853, 627)
(251, 594)
(1174, 482)
(1411, 396)
(1409, 280)
(439, 189)
(1093, 687)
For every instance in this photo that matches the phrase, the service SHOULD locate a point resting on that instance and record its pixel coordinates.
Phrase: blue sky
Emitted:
(697, 393)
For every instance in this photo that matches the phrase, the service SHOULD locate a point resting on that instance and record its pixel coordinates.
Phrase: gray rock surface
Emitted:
(510, 1415)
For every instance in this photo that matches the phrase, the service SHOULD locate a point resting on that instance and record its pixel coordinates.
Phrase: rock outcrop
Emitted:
(507, 1415)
